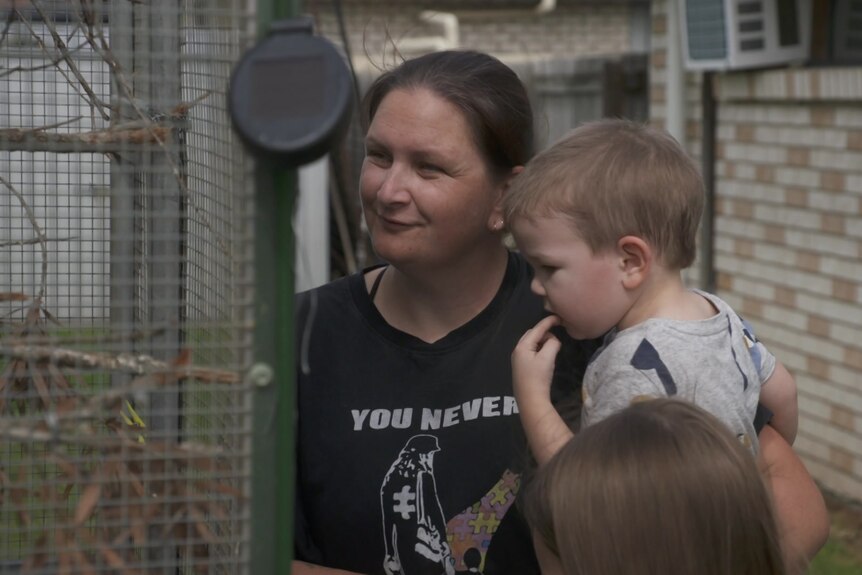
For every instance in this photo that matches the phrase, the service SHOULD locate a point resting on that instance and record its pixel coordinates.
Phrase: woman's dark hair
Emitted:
(488, 93)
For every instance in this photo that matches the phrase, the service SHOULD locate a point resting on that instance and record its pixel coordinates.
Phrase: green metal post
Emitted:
(273, 462)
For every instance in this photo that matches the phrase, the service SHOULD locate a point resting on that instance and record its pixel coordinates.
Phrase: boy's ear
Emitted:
(636, 259)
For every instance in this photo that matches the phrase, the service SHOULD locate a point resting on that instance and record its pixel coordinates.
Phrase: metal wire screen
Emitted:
(125, 288)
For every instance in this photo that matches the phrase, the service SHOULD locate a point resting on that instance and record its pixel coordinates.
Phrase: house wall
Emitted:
(573, 30)
(788, 233)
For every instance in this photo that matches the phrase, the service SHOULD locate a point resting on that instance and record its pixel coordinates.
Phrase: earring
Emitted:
(498, 225)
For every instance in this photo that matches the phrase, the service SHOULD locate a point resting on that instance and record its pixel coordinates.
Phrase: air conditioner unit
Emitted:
(734, 34)
(847, 39)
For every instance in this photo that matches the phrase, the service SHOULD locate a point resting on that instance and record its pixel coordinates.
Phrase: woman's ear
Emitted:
(636, 259)
(495, 219)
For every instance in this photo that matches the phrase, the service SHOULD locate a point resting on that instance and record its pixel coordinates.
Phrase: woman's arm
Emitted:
(800, 511)
(303, 568)
(778, 395)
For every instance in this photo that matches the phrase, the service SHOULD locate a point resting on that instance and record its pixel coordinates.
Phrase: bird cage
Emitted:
(126, 288)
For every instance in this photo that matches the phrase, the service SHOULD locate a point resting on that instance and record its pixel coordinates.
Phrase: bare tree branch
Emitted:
(135, 364)
(38, 434)
(92, 33)
(67, 57)
(43, 241)
(99, 141)
(54, 61)
(32, 241)
(8, 24)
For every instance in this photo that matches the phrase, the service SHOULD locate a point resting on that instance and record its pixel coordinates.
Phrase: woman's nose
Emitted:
(394, 187)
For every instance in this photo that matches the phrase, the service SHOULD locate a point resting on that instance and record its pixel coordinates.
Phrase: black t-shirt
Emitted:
(410, 454)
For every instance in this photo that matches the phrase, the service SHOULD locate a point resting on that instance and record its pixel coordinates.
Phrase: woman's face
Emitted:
(427, 192)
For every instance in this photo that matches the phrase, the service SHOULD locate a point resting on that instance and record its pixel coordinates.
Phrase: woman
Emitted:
(410, 450)
(659, 487)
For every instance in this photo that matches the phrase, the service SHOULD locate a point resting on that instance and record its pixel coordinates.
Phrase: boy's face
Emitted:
(581, 287)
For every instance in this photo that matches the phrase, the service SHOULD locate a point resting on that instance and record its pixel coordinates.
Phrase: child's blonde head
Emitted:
(614, 178)
(660, 487)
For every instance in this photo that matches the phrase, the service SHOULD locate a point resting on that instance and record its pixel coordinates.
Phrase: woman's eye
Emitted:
(430, 169)
(376, 156)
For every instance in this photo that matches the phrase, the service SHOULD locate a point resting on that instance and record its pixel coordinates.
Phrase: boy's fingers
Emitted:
(539, 331)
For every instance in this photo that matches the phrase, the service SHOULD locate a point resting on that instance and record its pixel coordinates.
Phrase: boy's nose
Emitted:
(537, 287)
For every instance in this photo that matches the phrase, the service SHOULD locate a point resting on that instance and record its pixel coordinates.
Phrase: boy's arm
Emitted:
(532, 373)
(800, 511)
(778, 394)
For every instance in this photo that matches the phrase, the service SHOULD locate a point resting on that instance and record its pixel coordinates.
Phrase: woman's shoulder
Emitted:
(334, 298)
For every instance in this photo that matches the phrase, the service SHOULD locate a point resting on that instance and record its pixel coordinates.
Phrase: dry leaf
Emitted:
(41, 387)
(112, 558)
(87, 503)
(201, 525)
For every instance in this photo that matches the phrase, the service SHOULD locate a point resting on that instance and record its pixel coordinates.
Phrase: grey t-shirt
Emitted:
(716, 363)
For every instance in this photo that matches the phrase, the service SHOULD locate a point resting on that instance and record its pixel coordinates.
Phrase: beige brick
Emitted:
(789, 85)
(692, 130)
(730, 170)
(775, 234)
(657, 94)
(841, 458)
(854, 140)
(659, 25)
(833, 223)
(745, 132)
(843, 417)
(743, 248)
(743, 209)
(724, 281)
(659, 59)
(844, 290)
(785, 296)
(752, 308)
(765, 174)
(719, 150)
(808, 261)
(853, 357)
(831, 180)
(818, 326)
(796, 197)
(798, 156)
(822, 116)
(814, 83)
(817, 367)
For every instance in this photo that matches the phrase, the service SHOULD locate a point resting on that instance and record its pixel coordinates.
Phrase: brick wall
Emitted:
(577, 31)
(788, 234)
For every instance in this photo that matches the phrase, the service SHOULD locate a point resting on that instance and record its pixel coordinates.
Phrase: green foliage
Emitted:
(836, 558)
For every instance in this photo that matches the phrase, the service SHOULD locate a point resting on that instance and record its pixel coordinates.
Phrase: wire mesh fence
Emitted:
(125, 288)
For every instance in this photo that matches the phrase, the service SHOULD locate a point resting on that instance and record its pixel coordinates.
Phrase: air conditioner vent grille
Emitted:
(705, 21)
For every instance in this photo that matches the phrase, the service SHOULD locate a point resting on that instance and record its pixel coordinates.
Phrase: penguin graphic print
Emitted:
(414, 528)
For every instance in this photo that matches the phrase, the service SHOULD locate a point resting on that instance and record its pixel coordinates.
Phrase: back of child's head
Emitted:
(660, 487)
(614, 178)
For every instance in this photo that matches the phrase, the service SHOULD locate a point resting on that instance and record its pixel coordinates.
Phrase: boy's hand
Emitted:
(532, 373)
(533, 359)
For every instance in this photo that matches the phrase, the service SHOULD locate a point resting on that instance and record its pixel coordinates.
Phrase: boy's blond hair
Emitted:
(615, 178)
